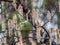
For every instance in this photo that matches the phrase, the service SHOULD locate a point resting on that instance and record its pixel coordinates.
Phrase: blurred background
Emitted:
(27, 15)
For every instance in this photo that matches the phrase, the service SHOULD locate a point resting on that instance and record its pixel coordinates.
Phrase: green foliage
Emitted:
(26, 26)
(18, 19)
(58, 14)
(44, 3)
(48, 4)
(0, 27)
(6, 24)
(12, 14)
(30, 4)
